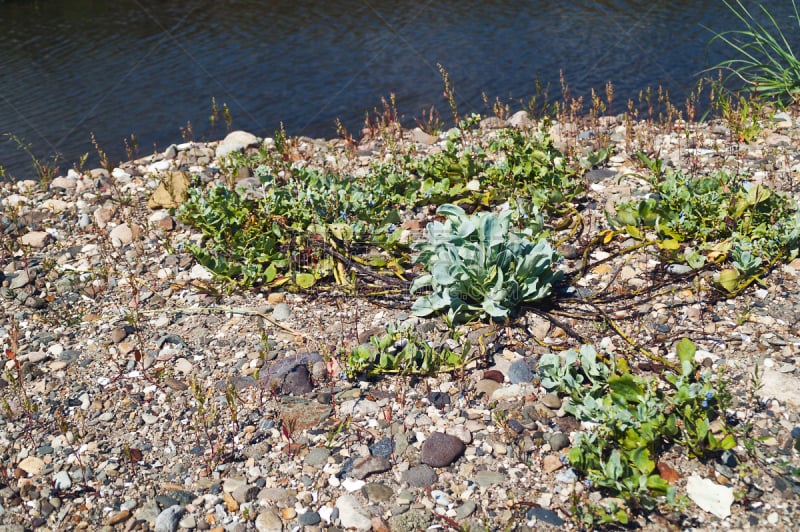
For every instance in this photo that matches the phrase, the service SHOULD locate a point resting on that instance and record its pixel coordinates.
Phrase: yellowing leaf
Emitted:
(634, 232)
(729, 279)
(670, 244)
(304, 280)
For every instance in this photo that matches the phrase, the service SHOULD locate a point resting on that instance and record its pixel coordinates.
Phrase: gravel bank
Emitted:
(151, 401)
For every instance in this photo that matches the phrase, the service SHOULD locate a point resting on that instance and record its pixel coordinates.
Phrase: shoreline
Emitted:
(128, 352)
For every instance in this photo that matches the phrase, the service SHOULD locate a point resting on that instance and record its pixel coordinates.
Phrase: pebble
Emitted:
(489, 478)
(169, 519)
(441, 450)
(377, 492)
(370, 465)
(466, 509)
(309, 519)
(352, 514)
(544, 515)
(558, 441)
(710, 496)
(268, 521)
(551, 400)
(62, 481)
(519, 372)
(420, 476)
(281, 312)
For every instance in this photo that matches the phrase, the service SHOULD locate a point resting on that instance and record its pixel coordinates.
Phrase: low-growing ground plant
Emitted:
(634, 419)
(403, 350)
(477, 267)
(724, 219)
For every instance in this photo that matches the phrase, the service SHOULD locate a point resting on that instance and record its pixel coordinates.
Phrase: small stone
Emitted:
(352, 514)
(363, 467)
(62, 481)
(439, 399)
(377, 492)
(551, 400)
(200, 273)
(281, 312)
(309, 519)
(31, 465)
(121, 235)
(118, 334)
(710, 496)
(558, 441)
(441, 450)
(544, 515)
(382, 448)
(465, 510)
(420, 476)
(519, 372)
(268, 521)
(17, 279)
(551, 463)
(486, 387)
(419, 136)
(317, 457)
(167, 521)
(297, 381)
(236, 141)
(287, 514)
(489, 478)
(230, 503)
(35, 239)
(494, 375)
(410, 521)
(118, 518)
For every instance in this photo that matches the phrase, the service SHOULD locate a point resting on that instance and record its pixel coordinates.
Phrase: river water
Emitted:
(70, 68)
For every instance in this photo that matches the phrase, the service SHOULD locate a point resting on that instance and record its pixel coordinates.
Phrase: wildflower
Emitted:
(390, 228)
(709, 395)
(704, 403)
(587, 483)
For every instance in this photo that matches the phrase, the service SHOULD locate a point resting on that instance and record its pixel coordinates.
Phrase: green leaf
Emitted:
(641, 459)
(685, 349)
(625, 387)
(305, 280)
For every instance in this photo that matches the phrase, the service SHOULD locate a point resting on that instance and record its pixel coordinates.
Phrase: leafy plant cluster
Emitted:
(302, 224)
(280, 234)
(478, 267)
(402, 350)
(719, 218)
(514, 166)
(634, 419)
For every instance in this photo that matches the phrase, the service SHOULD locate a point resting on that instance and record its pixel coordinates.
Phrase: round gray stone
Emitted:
(169, 519)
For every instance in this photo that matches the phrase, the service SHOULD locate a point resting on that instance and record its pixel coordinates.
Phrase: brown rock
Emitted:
(118, 518)
(230, 503)
(494, 375)
(551, 463)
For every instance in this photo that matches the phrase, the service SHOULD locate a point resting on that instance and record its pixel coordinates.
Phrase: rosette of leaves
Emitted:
(477, 267)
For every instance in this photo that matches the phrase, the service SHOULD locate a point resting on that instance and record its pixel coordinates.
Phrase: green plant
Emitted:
(46, 169)
(765, 62)
(634, 418)
(718, 219)
(403, 350)
(742, 116)
(478, 267)
(297, 229)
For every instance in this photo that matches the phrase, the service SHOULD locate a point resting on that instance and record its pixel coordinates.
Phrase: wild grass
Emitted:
(764, 61)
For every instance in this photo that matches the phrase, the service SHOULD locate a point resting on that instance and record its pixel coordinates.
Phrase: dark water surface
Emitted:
(145, 67)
